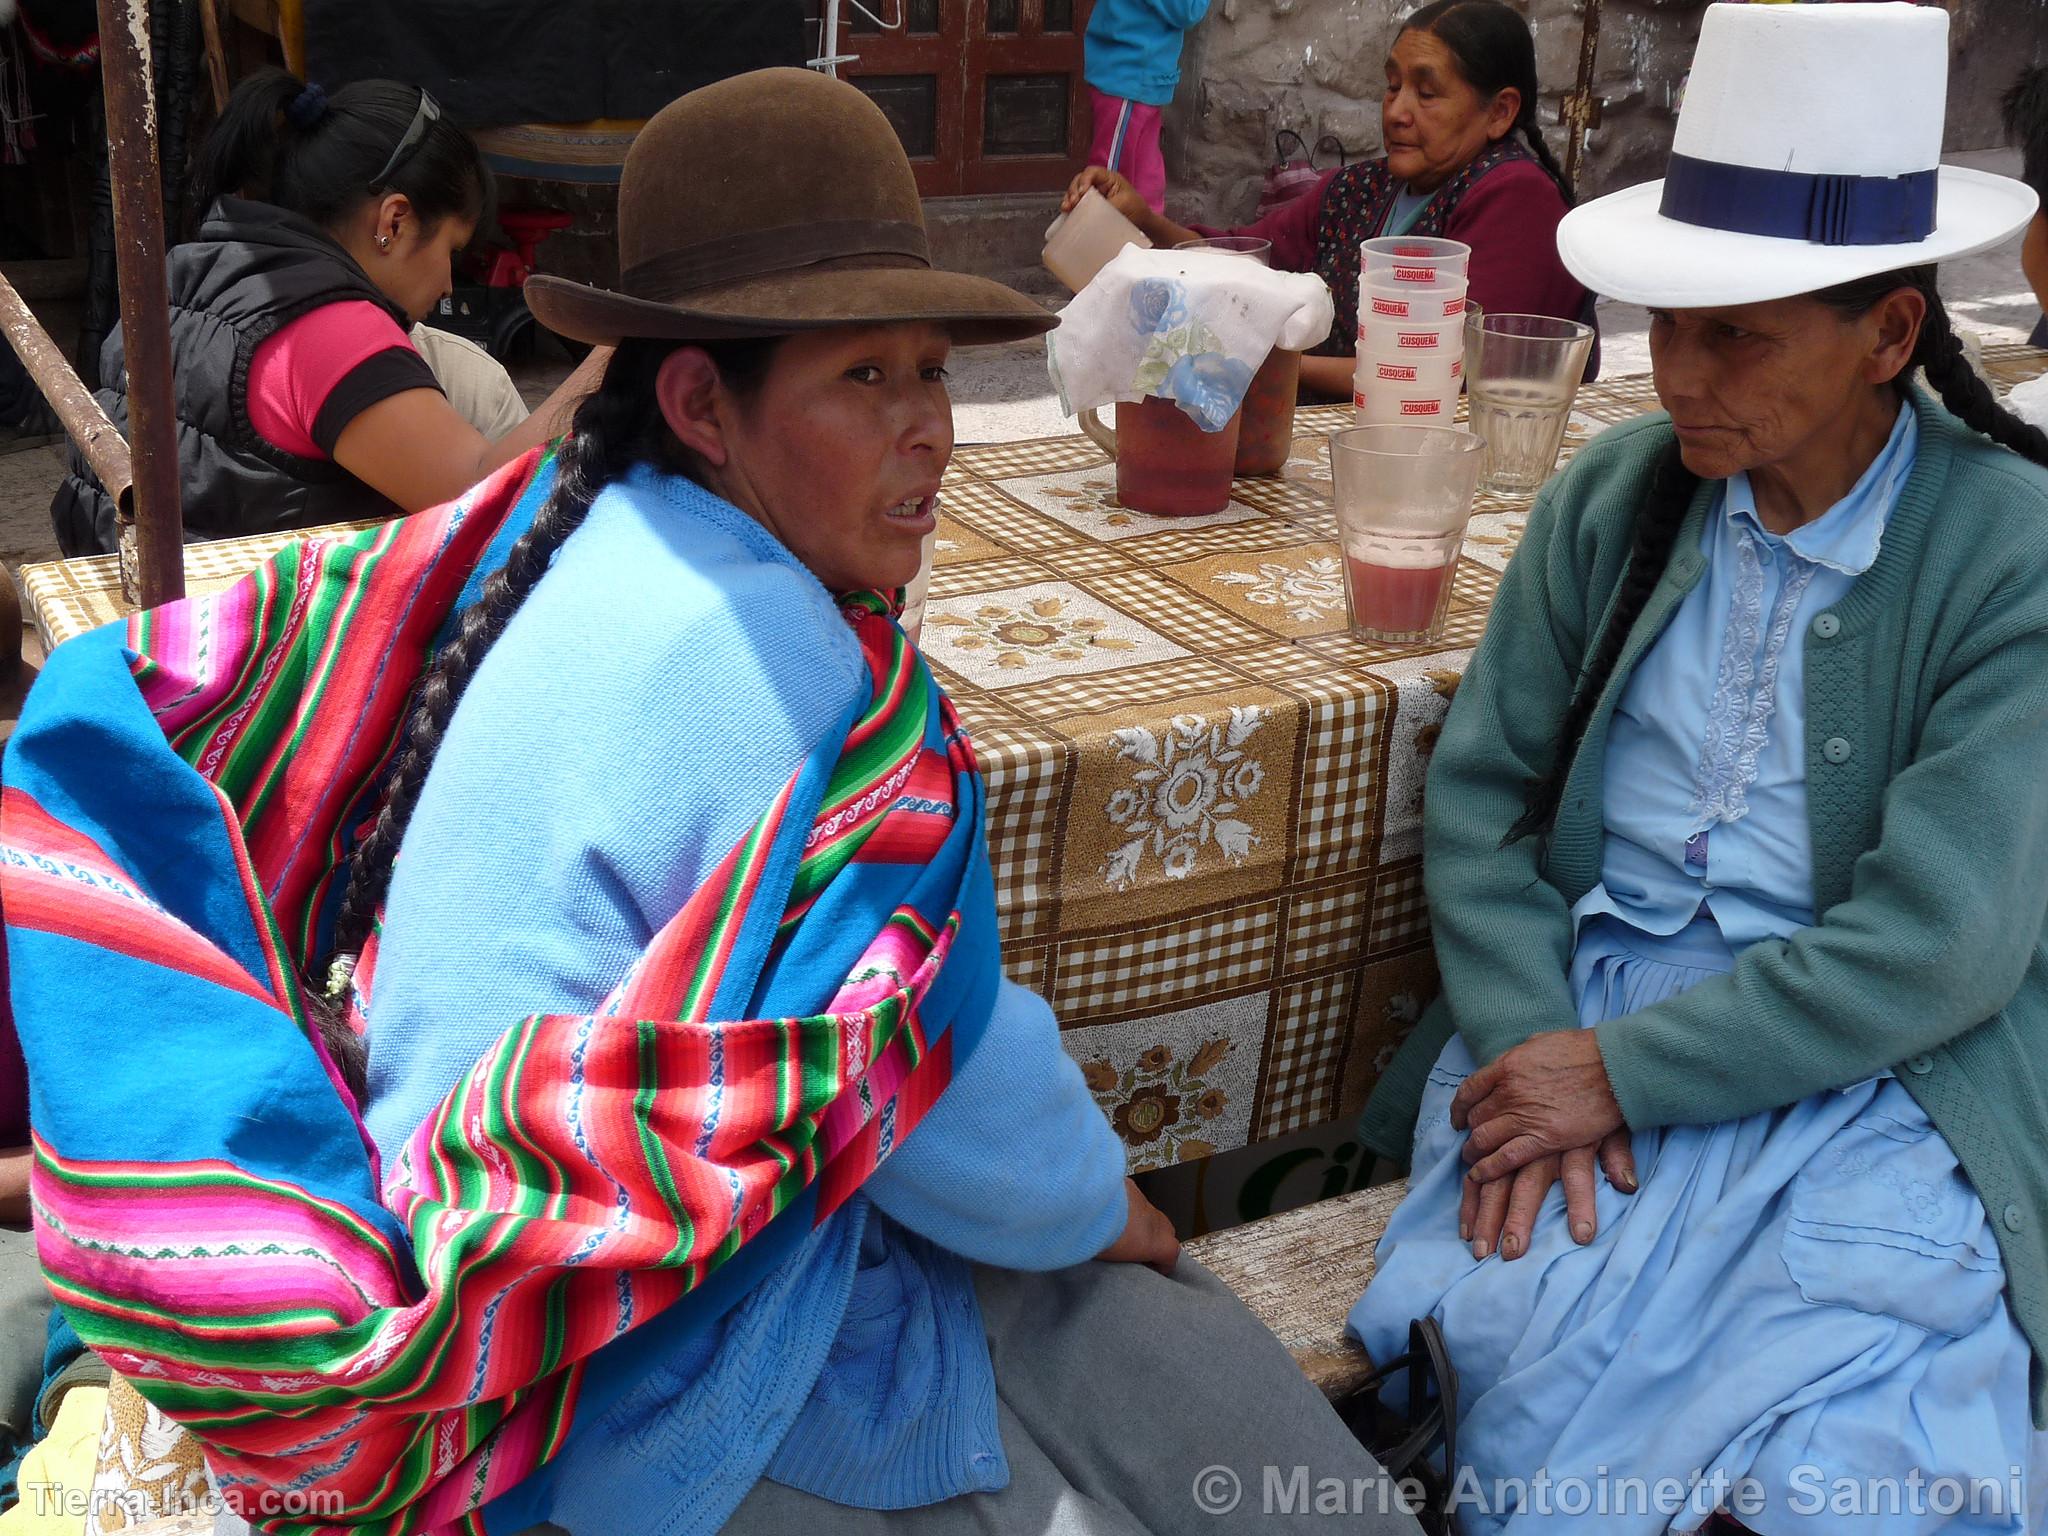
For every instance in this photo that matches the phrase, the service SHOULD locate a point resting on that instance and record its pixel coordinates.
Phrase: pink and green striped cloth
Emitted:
(178, 801)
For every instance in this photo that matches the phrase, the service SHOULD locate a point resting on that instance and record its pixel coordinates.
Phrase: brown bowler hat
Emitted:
(773, 202)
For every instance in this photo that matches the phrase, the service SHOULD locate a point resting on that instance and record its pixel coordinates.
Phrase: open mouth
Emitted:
(917, 511)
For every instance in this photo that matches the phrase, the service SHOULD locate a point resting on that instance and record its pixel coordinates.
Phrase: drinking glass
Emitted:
(1520, 388)
(1404, 496)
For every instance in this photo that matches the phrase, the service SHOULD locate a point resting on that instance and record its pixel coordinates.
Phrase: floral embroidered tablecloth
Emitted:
(1205, 796)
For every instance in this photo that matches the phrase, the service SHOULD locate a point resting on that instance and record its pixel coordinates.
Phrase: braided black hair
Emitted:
(1938, 351)
(1495, 51)
(1670, 496)
(319, 155)
(615, 428)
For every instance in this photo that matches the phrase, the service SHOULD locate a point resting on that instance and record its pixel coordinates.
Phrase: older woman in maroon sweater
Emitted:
(1464, 159)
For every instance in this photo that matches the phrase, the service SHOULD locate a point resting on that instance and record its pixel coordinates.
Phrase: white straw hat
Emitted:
(1808, 153)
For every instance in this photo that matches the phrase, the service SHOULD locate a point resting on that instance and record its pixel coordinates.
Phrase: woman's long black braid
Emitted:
(1939, 351)
(613, 429)
(1544, 158)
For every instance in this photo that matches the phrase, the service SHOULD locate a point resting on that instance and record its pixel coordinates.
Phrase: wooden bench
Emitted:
(1301, 1271)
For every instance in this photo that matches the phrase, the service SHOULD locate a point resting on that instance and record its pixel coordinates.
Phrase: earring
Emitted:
(383, 242)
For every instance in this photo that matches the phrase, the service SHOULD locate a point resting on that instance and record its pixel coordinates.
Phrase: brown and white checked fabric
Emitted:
(1326, 925)
(1009, 461)
(1400, 911)
(68, 597)
(1189, 760)
(1159, 683)
(1169, 966)
(1311, 1028)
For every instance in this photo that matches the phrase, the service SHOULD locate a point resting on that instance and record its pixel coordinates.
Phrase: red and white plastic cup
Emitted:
(1413, 338)
(1433, 304)
(1412, 261)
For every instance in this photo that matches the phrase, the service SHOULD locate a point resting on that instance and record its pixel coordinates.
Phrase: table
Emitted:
(1205, 795)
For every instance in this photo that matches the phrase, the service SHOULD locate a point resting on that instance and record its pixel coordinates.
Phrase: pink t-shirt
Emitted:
(312, 377)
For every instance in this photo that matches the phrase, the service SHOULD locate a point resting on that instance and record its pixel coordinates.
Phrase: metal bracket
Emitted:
(902, 15)
(829, 57)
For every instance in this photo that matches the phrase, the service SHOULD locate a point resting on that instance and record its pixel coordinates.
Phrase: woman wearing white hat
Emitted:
(1734, 860)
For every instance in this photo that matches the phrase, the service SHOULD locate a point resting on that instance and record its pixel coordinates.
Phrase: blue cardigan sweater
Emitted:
(667, 676)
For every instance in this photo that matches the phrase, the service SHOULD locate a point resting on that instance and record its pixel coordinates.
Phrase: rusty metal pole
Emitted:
(80, 414)
(152, 546)
(1581, 110)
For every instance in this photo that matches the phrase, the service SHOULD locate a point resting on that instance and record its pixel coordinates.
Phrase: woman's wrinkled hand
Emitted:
(1541, 1099)
(1123, 197)
(1502, 1215)
(1148, 1237)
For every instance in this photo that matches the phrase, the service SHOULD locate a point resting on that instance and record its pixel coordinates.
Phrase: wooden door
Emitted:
(986, 95)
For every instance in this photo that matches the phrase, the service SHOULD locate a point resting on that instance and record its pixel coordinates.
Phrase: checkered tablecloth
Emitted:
(1205, 795)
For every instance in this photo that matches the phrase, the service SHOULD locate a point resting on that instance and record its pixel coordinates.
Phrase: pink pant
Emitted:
(1127, 140)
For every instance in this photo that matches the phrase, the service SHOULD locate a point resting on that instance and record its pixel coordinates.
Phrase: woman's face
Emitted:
(410, 259)
(839, 450)
(419, 269)
(1433, 121)
(1760, 384)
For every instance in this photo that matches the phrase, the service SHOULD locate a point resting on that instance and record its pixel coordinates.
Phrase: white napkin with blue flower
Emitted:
(1193, 326)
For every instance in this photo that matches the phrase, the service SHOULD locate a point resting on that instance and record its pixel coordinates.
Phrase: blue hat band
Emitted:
(1793, 205)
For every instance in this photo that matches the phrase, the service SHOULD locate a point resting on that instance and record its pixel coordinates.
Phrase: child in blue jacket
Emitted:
(1132, 67)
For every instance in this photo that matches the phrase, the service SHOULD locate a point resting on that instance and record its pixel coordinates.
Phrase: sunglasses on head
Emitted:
(428, 114)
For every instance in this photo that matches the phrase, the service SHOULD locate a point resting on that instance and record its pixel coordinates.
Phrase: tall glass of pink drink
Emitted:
(1404, 496)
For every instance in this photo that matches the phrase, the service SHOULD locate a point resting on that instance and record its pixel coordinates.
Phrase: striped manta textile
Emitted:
(386, 1355)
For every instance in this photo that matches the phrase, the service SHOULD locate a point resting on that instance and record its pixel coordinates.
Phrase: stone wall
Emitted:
(1255, 67)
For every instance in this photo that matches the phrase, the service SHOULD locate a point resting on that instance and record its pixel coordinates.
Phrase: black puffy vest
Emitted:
(253, 269)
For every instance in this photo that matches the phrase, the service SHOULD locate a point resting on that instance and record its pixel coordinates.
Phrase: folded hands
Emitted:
(1539, 1113)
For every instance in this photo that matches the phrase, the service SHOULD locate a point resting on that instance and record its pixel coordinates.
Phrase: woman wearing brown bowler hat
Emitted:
(664, 650)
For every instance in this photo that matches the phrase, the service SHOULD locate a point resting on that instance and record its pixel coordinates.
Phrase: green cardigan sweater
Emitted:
(1927, 784)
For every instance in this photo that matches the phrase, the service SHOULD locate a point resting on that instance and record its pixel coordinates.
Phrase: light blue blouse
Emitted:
(1709, 737)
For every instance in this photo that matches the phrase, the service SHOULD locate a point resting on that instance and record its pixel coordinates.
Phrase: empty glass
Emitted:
(1520, 387)
(1404, 496)
(1252, 246)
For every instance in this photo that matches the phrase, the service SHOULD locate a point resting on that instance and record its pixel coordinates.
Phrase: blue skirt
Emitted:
(1797, 1317)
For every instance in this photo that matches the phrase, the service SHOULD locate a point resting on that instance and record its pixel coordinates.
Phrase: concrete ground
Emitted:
(1002, 394)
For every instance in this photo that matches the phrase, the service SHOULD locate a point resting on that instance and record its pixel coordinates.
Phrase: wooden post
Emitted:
(214, 32)
(152, 545)
(1581, 107)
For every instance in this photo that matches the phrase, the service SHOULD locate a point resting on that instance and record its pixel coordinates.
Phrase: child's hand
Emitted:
(1147, 1236)
(1122, 196)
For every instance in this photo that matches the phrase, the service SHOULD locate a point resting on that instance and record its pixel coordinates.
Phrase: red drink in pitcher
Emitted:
(1399, 585)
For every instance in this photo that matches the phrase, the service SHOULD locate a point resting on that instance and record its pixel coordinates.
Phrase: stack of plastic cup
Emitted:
(1411, 330)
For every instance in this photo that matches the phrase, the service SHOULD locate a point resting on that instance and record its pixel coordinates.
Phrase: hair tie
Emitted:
(306, 108)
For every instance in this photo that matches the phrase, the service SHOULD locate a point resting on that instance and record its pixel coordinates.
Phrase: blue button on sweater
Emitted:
(664, 679)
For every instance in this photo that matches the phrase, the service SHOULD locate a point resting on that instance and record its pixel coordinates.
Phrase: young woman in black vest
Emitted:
(330, 230)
